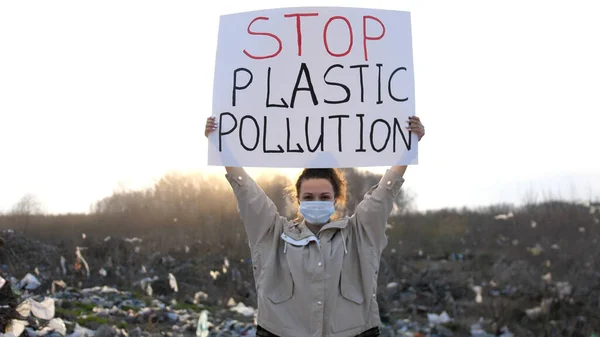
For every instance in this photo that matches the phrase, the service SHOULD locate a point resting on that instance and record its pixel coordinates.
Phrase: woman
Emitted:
(317, 275)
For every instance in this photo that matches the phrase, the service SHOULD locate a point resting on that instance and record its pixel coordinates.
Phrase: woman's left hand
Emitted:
(415, 125)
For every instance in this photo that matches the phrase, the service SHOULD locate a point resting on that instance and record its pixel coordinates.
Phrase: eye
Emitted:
(326, 197)
(307, 197)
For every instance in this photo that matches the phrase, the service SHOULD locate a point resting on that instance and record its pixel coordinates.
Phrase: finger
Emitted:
(415, 118)
(416, 125)
(416, 129)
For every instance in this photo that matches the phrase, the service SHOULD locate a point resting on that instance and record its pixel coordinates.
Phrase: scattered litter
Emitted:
(29, 282)
(200, 296)
(563, 289)
(44, 309)
(392, 286)
(202, 329)
(173, 282)
(241, 308)
(63, 265)
(547, 277)
(478, 297)
(504, 216)
(438, 319)
(231, 302)
(132, 240)
(80, 260)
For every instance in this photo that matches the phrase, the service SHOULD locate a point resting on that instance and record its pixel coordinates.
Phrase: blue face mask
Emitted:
(317, 212)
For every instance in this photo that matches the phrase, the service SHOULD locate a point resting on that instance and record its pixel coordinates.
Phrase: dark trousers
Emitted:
(373, 332)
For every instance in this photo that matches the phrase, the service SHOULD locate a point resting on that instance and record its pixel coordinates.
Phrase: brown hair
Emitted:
(334, 176)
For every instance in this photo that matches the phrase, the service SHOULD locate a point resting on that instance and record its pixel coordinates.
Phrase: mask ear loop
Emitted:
(285, 247)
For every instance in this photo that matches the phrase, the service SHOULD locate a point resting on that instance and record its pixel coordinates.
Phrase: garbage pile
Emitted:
(105, 311)
(117, 287)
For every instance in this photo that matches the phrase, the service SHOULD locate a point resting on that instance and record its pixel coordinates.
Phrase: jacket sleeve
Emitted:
(373, 211)
(257, 211)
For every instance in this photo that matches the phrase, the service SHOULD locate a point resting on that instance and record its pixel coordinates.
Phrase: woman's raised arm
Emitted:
(373, 211)
(257, 211)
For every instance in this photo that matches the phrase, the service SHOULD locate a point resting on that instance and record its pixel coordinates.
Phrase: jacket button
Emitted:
(319, 303)
(389, 182)
(239, 177)
(319, 264)
(374, 295)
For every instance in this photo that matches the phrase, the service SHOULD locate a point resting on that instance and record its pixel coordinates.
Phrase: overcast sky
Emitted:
(100, 94)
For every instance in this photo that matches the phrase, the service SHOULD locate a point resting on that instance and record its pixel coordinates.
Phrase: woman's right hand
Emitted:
(211, 126)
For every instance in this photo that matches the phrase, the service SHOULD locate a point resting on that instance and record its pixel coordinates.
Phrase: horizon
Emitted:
(98, 97)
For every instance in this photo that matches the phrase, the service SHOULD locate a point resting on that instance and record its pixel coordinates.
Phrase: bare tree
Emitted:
(25, 208)
(27, 205)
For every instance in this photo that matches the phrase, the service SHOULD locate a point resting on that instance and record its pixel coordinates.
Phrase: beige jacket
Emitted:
(323, 285)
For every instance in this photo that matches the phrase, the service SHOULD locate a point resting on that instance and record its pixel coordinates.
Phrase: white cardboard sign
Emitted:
(314, 87)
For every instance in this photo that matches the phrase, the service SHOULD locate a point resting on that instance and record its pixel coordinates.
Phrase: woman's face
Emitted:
(317, 189)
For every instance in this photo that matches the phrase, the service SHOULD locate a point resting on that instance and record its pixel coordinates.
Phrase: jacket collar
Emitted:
(299, 231)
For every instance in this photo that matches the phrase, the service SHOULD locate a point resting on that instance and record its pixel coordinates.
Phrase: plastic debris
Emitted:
(504, 216)
(241, 308)
(200, 296)
(81, 332)
(59, 283)
(44, 309)
(563, 289)
(173, 282)
(478, 297)
(82, 260)
(29, 282)
(63, 265)
(547, 277)
(505, 332)
(541, 310)
(231, 302)
(202, 329)
(16, 327)
(132, 240)
(439, 319)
